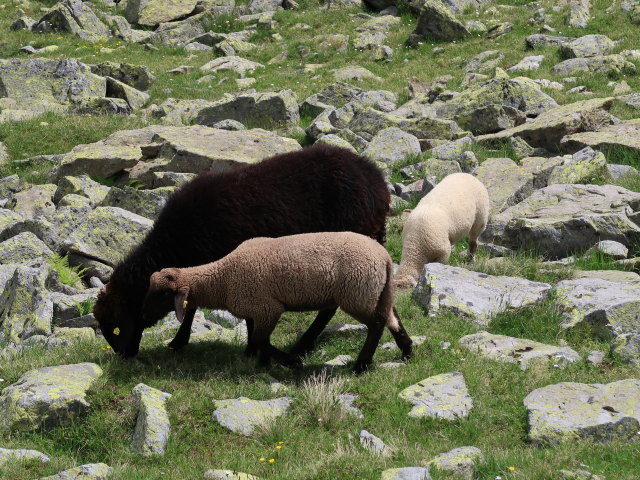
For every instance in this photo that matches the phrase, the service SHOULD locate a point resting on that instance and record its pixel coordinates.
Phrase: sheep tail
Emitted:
(385, 306)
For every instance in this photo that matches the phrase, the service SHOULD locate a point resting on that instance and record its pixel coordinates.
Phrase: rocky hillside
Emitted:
(527, 359)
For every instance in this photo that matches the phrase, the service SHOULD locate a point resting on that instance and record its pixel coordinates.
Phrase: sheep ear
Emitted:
(180, 304)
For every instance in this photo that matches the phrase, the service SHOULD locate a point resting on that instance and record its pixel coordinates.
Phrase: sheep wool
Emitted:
(456, 208)
(264, 277)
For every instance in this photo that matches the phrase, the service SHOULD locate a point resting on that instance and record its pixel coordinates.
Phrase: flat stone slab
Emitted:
(107, 234)
(21, 455)
(617, 276)
(462, 461)
(441, 396)
(506, 181)
(233, 62)
(569, 411)
(371, 443)
(90, 471)
(152, 426)
(624, 134)
(561, 219)
(47, 397)
(517, 350)
(472, 295)
(242, 415)
(406, 473)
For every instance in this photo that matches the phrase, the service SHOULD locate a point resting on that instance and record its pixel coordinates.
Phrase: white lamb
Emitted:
(456, 208)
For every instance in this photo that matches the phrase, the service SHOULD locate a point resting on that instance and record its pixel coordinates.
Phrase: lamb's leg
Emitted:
(475, 232)
(184, 332)
(261, 341)
(308, 339)
(374, 332)
(251, 350)
(401, 337)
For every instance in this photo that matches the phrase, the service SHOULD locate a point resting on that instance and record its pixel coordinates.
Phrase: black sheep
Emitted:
(316, 189)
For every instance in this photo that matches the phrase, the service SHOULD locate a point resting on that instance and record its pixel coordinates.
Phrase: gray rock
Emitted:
(34, 202)
(90, 471)
(406, 473)
(107, 233)
(372, 443)
(579, 13)
(624, 134)
(80, 185)
(601, 413)
(616, 276)
(612, 249)
(392, 145)
(146, 203)
(73, 16)
(22, 23)
(484, 62)
(4, 155)
(152, 425)
(233, 63)
(474, 296)
(596, 357)
(544, 40)
(577, 474)
(242, 415)
(136, 76)
(8, 456)
(356, 73)
(227, 475)
(499, 30)
(99, 159)
(23, 248)
(47, 397)
(260, 109)
(561, 219)
(170, 179)
(517, 350)
(25, 305)
(41, 85)
(441, 396)
(101, 106)
(585, 166)
(610, 309)
(340, 93)
(587, 46)
(153, 12)
(346, 401)
(462, 461)
(335, 141)
(549, 128)
(438, 23)
(618, 171)
(135, 98)
(527, 64)
(604, 64)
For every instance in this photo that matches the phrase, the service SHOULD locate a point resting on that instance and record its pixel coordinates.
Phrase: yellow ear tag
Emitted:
(116, 331)
(184, 304)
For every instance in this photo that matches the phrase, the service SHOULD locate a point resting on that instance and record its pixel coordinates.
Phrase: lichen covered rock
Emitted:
(462, 461)
(568, 411)
(153, 12)
(441, 396)
(585, 166)
(392, 145)
(472, 295)
(21, 455)
(47, 397)
(76, 17)
(242, 415)
(152, 425)
(90, 471)
(517, 350)
(438, 23)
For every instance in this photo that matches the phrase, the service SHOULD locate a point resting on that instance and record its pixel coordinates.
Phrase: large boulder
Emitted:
(568, 411)
(98, 159)
(76, 17)
(520, 351)
(436, 22)
(624, 134)
(47, 397)
(507, 182)
(258, 109)
(150, 13)
(48, 85)
(472, 295)
(23, 248)
(392, 145)
(561, 219)
(579, 13)
(107, 234)
(548, 129)
(588, 46)
(147, 203)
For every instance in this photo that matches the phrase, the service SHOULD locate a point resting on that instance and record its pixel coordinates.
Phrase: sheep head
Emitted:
(166, 292)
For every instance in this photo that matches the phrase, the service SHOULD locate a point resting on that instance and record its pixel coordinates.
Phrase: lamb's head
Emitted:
(167, 291)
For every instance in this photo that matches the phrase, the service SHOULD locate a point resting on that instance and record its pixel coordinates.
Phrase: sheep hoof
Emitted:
(173, 345)
(360, 368)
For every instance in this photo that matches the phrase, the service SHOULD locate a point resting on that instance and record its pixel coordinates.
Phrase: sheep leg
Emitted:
(184, 332)
(261, 338)
(308, 339)
(251, 350)
(374, 333)
(401, 337)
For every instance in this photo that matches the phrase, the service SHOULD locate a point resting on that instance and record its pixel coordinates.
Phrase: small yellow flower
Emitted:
(279, 447)
(280, 443)
(457, 350)
(262, 459)
(271, 460)
(511, 469)
(108, 347)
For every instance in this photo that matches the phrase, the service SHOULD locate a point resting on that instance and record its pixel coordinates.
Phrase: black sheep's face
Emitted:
(164, 295)
(120, 321)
